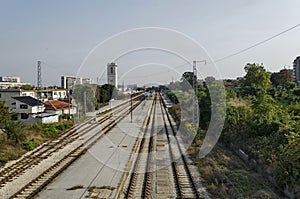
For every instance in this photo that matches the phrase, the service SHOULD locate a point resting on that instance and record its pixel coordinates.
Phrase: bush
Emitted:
(37, 126)
(66, 116)
(50, 130)
(29, 145)
(68, 124)
(60, 126)
(14, 131)
(53, 130)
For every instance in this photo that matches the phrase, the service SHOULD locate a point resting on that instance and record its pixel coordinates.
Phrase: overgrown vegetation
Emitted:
(227, 176)
(262, 118)
(16, 139)
(267, 125)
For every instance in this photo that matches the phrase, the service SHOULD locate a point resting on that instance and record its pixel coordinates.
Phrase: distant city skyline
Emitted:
(61, 34)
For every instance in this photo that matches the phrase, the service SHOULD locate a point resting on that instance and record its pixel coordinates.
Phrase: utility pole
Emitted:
(39, 75)
(69, 98)
(195, 87)
(39, 78)
(39, 84)
(131, 106)
(84, 102)
(78, 117)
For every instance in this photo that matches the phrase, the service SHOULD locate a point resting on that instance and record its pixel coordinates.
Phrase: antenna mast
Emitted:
(39, 78)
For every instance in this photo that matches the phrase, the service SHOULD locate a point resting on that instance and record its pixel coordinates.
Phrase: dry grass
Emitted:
(226, 176)
(9, 152)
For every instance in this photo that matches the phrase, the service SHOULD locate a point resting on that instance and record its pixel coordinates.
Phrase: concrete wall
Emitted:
(72, 111)
(7, 97)
(47, 120)
(63, 111)
(32, 120)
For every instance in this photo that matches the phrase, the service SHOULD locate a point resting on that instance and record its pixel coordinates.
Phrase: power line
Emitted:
(161, 72)
(257, 44)
(238, 52)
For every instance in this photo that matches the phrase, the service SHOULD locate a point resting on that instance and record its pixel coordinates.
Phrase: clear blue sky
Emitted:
(61, 33)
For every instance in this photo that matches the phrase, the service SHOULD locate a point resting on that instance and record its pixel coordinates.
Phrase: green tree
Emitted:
(14, 131)
(104, 93)
(256, 81)
(110, 90)
(85, 95)
(189, 77)
(282, 77)
(209, 80)
(27, 87)
(5, 114)
(286, 161)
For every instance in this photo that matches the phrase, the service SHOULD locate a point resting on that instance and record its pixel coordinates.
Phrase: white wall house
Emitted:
(46, 118)
(59, 107)
(30, 110)
(7, 94)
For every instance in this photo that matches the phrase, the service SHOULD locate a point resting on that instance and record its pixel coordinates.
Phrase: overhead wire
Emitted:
(233, 54)
(257, 44)
(215, 61)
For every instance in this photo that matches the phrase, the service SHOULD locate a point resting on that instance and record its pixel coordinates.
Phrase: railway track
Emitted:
(64, 136)
(185, 185)
(160, 169)
(140, 182)
(44, 151)
(29, 161)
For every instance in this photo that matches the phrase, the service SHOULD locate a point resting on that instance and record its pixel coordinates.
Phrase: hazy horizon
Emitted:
(61, 34)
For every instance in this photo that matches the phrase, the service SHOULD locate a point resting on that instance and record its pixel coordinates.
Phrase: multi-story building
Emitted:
(10, 82)
(112, 74)
(10, 79)
(53, 94)
(7, 95)
(68, 82)
(296, 67)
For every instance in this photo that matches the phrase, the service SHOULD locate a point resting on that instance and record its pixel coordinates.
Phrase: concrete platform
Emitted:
(97, 173)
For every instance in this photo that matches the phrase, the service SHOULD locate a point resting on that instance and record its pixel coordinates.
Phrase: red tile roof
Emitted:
(229, 84)
(56, 105)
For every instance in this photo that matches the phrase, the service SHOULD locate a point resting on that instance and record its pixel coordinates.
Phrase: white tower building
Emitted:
(112, 74)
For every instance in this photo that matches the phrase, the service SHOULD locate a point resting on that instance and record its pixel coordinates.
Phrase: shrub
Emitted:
(29, 145)
(50, 130)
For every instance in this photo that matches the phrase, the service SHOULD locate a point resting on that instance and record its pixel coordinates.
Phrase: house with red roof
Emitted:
(59, 107)
(30, 110)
